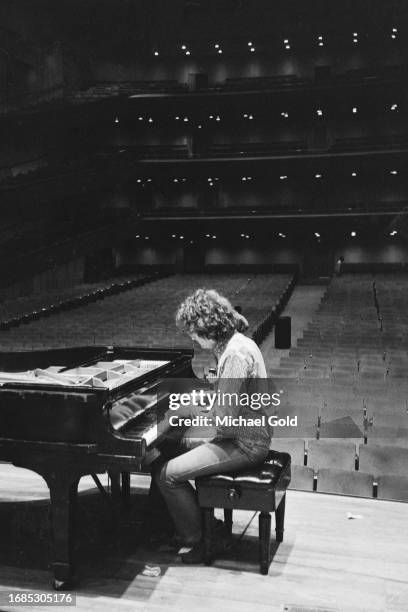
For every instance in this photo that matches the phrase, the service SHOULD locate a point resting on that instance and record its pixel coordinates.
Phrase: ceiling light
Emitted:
(139, 181)
(183, 47)
(187, 52)
(286, 41)
(250, 117)
(116, 120)
(137, 235)
(216, 46)
(394, 172)
(199, 126)
(355, 33)
(150, 120)
(177, 118)
(394, 30)
(354, 110)
(185, 119)
(318, 176)
(173, 235)
(354, 174)
(181, 237)
(249, 44)
(317, 234)
(353, 234)
(211, 116)
(245, 116)
(147, 237)
(393, 36)
(218, 118)
(220, 51)
(394, 107)
(393, 233)
(252, 49)
(283, 177)
(319, 112)
(156, 53)
(281, 235)
(287, 46)
(140, 118)
(214, 236)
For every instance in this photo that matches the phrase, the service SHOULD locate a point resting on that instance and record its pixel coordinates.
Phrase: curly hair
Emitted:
(207, 314)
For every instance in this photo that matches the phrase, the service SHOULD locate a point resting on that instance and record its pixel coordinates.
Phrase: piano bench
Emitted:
(261, 488)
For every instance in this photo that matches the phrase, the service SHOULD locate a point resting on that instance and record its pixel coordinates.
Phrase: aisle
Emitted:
(301, 307)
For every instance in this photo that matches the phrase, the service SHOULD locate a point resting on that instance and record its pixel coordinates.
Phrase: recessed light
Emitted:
(187, 52)
(320, 37)
(354, 110)
(394, 107)
(318, 176)
(140, 118)
(319, 112)
(287, 46)
(394, 172)
(354, 174)
(317, 234)
(353, 234)
(286, 41)
(156, 53)
(283, 177)
(252, 49)
(183, 47)
(220, 51)
(249, 44)
(216, 46)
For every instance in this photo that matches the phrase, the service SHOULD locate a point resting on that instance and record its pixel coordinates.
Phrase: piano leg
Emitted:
(62, 480)
(63, 496)
(126, 485)
(114, 478)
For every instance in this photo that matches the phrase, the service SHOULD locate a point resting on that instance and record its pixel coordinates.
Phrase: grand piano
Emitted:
(67, 413)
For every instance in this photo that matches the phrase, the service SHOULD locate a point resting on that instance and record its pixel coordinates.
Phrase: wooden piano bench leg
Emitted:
(228, 520)
(280, 519)
(264, 541)
(208, 521)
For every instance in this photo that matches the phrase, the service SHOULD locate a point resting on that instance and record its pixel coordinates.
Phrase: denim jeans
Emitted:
(210, 457)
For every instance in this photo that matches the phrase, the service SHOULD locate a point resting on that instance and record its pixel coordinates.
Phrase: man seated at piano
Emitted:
(211, 321)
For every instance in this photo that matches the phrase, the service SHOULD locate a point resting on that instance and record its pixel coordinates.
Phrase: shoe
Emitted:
(221, 540)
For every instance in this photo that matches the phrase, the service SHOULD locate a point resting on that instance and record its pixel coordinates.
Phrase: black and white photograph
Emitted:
(203, 294)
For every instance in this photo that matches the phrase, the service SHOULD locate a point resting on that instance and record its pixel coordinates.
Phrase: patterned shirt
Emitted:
(241, 374)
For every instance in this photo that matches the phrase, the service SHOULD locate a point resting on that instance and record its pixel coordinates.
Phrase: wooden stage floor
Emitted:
(327, 562)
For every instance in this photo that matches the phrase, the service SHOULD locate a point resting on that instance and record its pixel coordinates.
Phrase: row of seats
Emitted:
(24, 310)
(346, 468)
(145, 316)
(345, 381)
